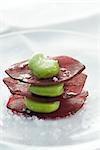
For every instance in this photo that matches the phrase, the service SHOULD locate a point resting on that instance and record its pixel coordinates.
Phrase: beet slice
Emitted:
(67, 107)
(69, 67)
(71, 88)
(16, 103)
(17, 87)
(75, 85)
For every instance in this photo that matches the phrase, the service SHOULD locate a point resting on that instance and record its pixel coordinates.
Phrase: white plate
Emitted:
(82, 129)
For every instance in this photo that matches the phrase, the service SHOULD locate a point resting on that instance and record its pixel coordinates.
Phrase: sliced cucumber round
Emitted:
(41, 107)
(51, 91)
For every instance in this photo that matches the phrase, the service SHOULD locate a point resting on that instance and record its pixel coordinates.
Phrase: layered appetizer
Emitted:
(46, 87)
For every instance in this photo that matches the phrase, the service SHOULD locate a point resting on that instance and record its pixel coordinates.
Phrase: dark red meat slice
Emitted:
(67, 107)
(16, 103)
(72, 87)
(69, 67)
(17, 87)
(75, 85)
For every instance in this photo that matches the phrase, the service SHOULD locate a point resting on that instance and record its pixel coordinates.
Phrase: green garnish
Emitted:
(41, 107)
(51, 91)
(43, 67)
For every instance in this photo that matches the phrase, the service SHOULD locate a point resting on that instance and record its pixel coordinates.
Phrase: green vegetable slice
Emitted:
(41, 107)
(43, 67)
(51, 91)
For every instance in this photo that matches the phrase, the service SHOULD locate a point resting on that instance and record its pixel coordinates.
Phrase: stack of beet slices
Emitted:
(70, 74)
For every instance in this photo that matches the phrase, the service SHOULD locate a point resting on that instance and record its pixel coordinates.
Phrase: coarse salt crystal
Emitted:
(64, 75)
(23, 64)
(63, 69)
(24, 76)
(55, 79)
(68, 73)
(12, 67)
(28, 111)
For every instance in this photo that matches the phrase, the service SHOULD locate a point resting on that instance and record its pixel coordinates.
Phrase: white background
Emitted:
(78, 16)
(55, 14)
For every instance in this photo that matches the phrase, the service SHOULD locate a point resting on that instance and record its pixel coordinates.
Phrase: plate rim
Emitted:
(83, 146)
(25, 31)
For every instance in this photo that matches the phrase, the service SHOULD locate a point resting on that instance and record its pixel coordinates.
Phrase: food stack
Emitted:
(47, 87)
